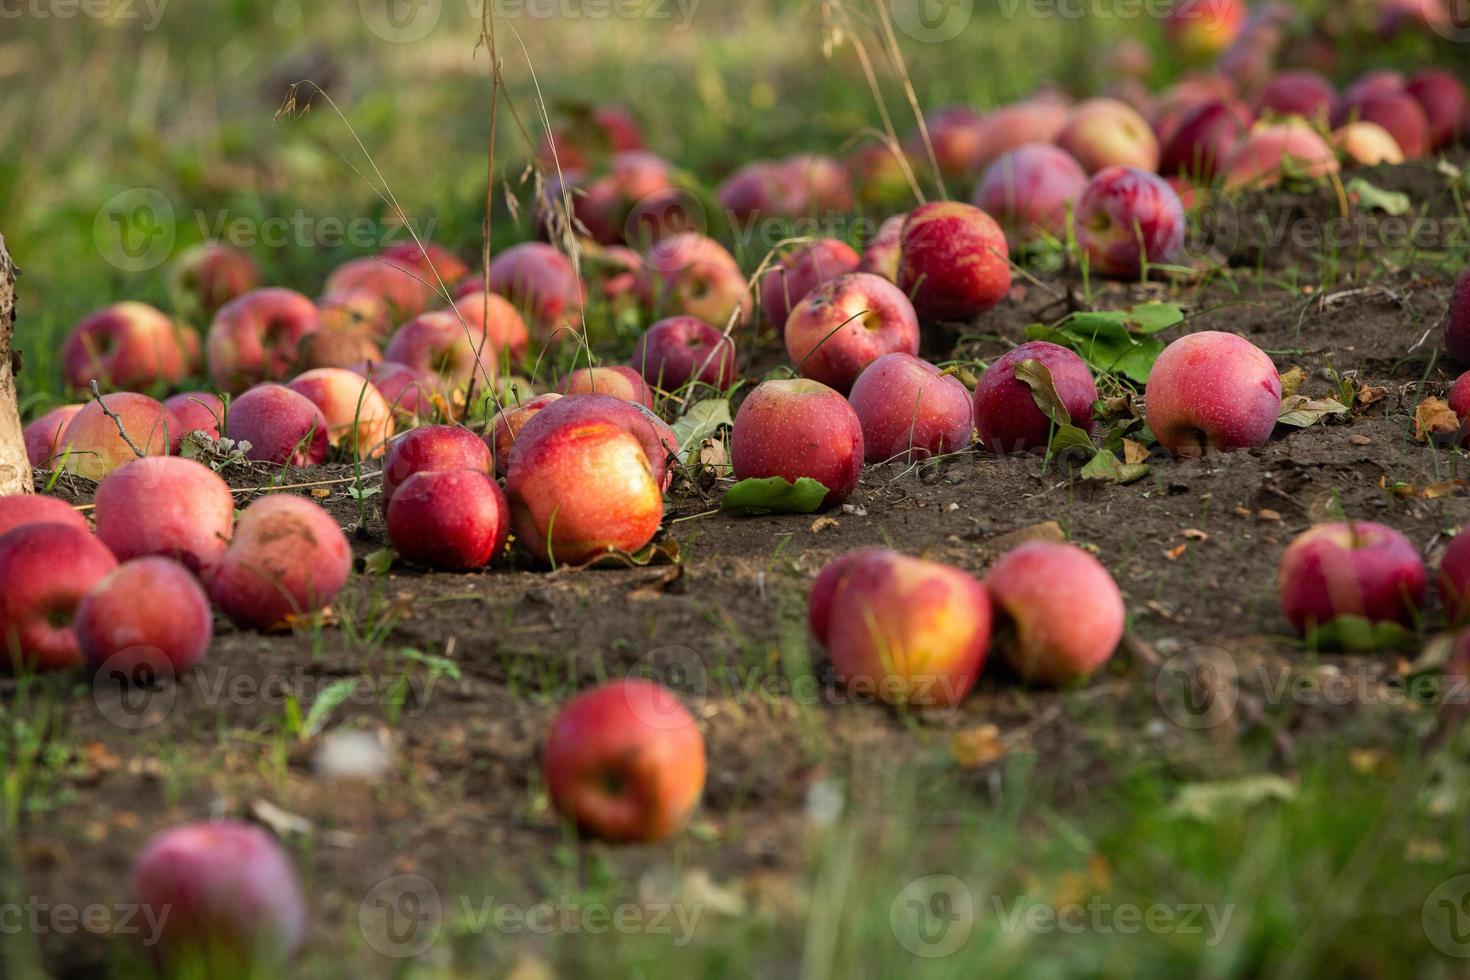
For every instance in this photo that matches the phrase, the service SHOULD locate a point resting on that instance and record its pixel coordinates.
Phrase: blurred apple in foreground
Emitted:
(1058, 612)
(1358, 569)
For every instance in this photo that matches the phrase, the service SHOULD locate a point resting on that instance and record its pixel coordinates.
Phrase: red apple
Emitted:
(429, 449)
(43, 435)
(506, 427)
(1030, 190)
(126, 345)
(1107, 133)
(331, 347)
(679, 350)
(847, 323)
(1453, 580)
(1058, 613)
(881, 255)
(589, 134)
(288, 560)
(909, 410)
(1006, 415)
(197, 411)
(798, 428)
(282, 426)
(542, 284)
(1397, 112)
(166, 506)
(358, 417)
(253, 337)
(953, 263)
(660, 445)
(1203, 28)
(692, 274)
(226, 897)
(1442, 97)
(1358, 569)
(432, 261)
(617, 380)
(1457, 321)
(453, 520)
(32, 508)
(408, 391)
(498, 320)
(1271, 153)
(823, 180)
(94, 446)
(211, 274)
(1212, 391)
(147, 613)
(957, 135)
(399, 284)
(357, 313)
(1205, 140)
(1128, 216)
(906, 631)
(625, 762)
(440, 343)
(763, 188)
(799, 271)
(1297, 93)
(580, 490)
(45, 570)
(1039, 119)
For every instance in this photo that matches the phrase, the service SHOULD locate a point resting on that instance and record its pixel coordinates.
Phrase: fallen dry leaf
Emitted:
(1368, 394)
(320, 493)
(1195, 534)
(1360, 440)
(976, 747)
(1291, 381)
(822, 523)
(1134, 452)
(1173, 554)
(1434, 419)
(1267, 514)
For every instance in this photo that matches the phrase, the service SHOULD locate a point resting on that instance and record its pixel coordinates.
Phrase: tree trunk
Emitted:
(15, 467)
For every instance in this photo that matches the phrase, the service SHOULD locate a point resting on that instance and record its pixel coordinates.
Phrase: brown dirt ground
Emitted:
(463, 793)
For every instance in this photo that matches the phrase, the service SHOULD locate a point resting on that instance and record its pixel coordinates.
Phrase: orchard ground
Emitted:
(1220, 801)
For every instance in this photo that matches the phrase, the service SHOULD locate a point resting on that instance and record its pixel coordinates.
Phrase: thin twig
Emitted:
(118, 422)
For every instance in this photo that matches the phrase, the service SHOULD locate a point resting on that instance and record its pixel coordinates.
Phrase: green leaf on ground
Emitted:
(773, 495)
(1208, 802)
(1108, 468)
(1370, 198)
(702, 420)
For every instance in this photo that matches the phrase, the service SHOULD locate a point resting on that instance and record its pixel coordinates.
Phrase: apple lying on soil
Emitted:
(1212, 391)
(1457, 321)
(197, 411)
(452, 520)
(34, 508)
(902, 630)
(542, 284)
(358, 417)
(1107, 133)
(441, 344)
(287, 561)
(166, 506)
(1058, 612)
(43, 435)
(282, 426)
(659, 443)
(45, 570)
(953, 261)
(333, 348)
(909, 410)
(408, 391)
(1030, 191)
(681, 349)
(625, 761)
(124, 346)
(801, 270)
(148, 617)
(847, 323)
(226, 897)
(94, 445)
(1359, 569)
(211, 274)
(1297, 93)
(506, 427)
(1367, 144)
(253, 337)
(693, 274)
(882, 254)
(1007, 417)
(428, 449)
(1271, 153)
(1126, 217)
(617, 380)
(798, 428)
(405, 289)
(1453, 579)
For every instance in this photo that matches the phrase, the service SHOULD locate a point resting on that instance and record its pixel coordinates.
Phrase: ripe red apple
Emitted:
(625, 761)
(823, 180)
(1457, 321)
(953, 263)
(617, 380)
(146, 613)
(1297, 93)
(1397, 112)
(253, 337)
(589, 135)
(659, 443)
(288, 560)
(1212, 391)
(357, 313)
(166, 506)
(957, 134)
(453, 520)
(1039, 119)
(43, 435)
(404, 288)
(580, 490)
(1368, 144)
(1006, 415)
(197, 411)
(847, 323)
(762, 188)
(906, 631)
(331, 347)
(357, 415)
(542, 284)
(45, 570)
(432, 261)
(440, 343)
(882, 254)
(1058, 612)
(211, 274)
(1128, 216)
(693, 274)
(1442, 97)
(909, 410)
(506, 427)
(1204, 141)
(682, 349)
(1358, 569)
(1273, 152)
(1453, 580)
(34, 508)
(1030, 191)
(94, 447)
(282, 426)
(428, 449)
(798, 428)
(408, 391)
(124, 346)
(500, 322)
(1107, 133)
(226, 897)
(1203, 28)
(801, 270)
